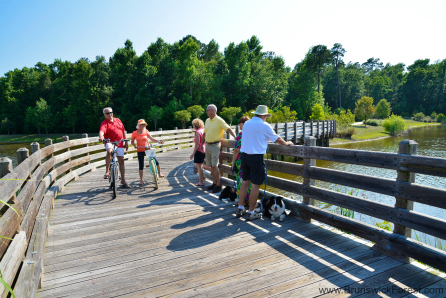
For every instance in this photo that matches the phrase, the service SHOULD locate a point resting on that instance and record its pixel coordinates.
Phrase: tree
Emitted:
(43, 114)
(318, 57)
(382, 109)
(184, 116)
(365, 108)
(337, 52)
(394, 125)
(155, 113)
(372, 64)
(7, 126)
(196, 111)
(230, 113)
(317, 112)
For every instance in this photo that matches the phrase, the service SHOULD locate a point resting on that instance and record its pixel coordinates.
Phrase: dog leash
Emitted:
(266, 179)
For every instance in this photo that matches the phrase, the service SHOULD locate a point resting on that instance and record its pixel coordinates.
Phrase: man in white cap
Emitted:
(256, 133)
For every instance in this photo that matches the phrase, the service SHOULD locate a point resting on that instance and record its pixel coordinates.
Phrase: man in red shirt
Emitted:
(113, 129)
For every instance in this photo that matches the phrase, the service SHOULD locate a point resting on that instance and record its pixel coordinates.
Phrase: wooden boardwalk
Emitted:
(182, 241)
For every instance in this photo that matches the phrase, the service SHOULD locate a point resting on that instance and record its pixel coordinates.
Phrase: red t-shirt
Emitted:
(113, 130)
(141, 139)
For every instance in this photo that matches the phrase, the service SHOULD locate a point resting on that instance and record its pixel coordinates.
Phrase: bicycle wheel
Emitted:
(154, 171)
(115, 177)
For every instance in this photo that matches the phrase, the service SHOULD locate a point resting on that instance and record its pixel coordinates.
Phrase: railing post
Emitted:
(5, 169)
(323, 129)
(5, 166)
(311, 129)
(334, 127)
(176, 133)
(295, 132)
(303, 130)
(49, 142)
(237, 130)
(406, 147)
(317, 130)
(308, 162)
(286, 131)
(35, 147)
(228, 136)
(66, 139)
(22, 154)
(85, 136)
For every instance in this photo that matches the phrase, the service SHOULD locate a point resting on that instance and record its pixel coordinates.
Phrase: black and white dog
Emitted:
(228, 193)
(274, 208)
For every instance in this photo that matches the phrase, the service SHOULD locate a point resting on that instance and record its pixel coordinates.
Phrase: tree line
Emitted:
(166, 82)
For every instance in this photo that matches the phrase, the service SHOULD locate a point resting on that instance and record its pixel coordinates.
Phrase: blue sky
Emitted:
(392, 30)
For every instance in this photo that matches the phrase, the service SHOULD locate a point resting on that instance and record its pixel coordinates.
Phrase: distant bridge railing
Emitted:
(398, 243)
(31, 188)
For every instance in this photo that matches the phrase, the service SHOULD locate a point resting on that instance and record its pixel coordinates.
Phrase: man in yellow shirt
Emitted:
(214, 128)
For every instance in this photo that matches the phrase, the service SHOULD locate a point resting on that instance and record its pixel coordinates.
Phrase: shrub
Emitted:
(373, 122)
(345, 132)
(441, 118)
(418, 116)
(394, 125)
(434, 116)
(428, 119)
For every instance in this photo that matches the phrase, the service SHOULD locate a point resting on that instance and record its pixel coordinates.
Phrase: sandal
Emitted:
(198, 184)
(140, 183)
(125, 186)
(161, 176)
(106, 176)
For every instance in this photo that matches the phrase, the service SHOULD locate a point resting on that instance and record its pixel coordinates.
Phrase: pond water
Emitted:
(431, 142)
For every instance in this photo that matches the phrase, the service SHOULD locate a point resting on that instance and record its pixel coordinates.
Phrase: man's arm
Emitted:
(280, 141)
(231, 132)
(101, 136)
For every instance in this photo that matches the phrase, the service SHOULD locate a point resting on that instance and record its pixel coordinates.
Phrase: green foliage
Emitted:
(365, 108)
(7, 126)
(434, 116)
(155, 113)
(419, 116)
(284, 114)
(196, 111)
(230, 113)
(382, 109)
(184, 116)
(345, 118)
(394, 125)
(441, 118)
(385, 225)
(317, 112)
(373, 122)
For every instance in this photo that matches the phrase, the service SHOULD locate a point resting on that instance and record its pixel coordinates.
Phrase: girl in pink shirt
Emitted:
(199, 153)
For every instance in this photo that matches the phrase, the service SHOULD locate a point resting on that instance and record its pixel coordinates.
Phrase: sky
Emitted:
(392, 30)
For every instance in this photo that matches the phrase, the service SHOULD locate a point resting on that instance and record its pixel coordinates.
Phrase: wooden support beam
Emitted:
(309, 141)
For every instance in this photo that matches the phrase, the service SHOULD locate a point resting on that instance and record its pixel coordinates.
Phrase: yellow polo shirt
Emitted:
(214, 129)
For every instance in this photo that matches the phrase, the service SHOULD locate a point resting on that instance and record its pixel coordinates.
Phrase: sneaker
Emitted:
(240, 212)
(253, 216)
(211, 187)
(216, 189)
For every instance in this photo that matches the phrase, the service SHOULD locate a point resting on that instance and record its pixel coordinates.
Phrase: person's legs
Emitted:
(122, 169)
(243, 192)
(141, 156)
(253, 196)
(199, 167)
(159, 170)
(107, 161)
(216, 175)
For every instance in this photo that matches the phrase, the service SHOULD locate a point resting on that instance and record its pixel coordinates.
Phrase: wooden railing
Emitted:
(31, 189)
(297, 131)
(397, 243)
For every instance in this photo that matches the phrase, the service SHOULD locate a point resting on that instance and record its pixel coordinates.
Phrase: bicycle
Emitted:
(151, 154)
(114, 175)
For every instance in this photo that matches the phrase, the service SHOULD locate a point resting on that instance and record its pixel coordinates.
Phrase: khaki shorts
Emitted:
(212, 154)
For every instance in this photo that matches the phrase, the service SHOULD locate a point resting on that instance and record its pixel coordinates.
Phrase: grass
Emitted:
(40, 138)
(363, 133)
